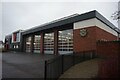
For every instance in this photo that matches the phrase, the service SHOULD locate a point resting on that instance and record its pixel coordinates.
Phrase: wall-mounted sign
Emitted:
(83, 32)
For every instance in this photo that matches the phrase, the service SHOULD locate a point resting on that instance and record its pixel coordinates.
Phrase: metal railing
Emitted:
(58, 65)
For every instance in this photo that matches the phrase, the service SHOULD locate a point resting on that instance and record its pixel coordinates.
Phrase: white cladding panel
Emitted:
(105, 27)
(94, 22)
(84, 24)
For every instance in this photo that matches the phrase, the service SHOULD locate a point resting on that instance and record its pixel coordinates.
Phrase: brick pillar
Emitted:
(42, 43)
(32, 45)
(56, 42)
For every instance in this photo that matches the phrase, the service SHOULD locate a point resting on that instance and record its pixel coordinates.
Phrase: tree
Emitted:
(116, 15)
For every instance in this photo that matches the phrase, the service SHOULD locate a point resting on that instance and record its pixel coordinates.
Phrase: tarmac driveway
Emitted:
(23, 65)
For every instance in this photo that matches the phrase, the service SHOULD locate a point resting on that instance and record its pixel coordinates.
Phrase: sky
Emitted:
(24, 14)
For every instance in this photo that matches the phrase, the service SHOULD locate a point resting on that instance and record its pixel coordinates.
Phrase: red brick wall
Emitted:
(89, 42)
(102, 34)
(109, 51)
(84, 43)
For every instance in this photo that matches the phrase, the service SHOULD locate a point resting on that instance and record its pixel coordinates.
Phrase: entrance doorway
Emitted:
(49, 43)
(28, 44)
(65, 41)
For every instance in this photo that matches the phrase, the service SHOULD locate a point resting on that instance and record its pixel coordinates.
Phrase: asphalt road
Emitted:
(23, 65)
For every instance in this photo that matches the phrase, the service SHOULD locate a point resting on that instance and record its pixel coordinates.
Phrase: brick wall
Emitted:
(84, 43)
(89, 42)
(102, 34)
(109, 51)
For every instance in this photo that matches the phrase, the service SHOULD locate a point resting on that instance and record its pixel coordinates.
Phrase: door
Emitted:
(65, 41)
(49, 43)
(28, 44)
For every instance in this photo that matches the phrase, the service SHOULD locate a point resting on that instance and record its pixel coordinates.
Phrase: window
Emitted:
(49, 43)
(28, 44)
(16, 46)
(37, 43)
(65, 41)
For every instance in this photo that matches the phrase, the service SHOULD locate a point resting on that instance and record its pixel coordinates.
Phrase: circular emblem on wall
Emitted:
(83, 32)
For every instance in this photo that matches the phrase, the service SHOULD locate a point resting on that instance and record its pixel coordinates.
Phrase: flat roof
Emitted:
(71, 19)
(18, 31)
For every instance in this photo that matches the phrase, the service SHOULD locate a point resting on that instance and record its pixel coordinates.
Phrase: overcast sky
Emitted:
(25, 15)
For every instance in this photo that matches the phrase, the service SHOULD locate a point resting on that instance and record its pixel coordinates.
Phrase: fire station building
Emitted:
(75, 33)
